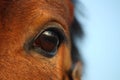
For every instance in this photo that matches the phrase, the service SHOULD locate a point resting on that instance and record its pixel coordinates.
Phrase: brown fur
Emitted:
(19, 21)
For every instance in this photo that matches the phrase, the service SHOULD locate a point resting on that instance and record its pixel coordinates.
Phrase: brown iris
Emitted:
(47, 41)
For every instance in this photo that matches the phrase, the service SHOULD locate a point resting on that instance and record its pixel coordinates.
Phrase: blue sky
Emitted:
(101, 45)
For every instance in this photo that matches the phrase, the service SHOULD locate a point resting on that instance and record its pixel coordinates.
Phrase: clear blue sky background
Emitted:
(101, 45)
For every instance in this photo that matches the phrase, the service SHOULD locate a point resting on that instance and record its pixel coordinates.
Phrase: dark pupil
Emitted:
(47, 41)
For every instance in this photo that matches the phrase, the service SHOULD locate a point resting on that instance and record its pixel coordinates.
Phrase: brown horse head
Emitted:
(36, 40)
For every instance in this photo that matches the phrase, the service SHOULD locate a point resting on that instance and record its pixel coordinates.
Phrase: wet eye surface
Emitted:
(48, 42)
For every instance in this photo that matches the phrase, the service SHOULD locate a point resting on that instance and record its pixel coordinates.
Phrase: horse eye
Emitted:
(47, 42)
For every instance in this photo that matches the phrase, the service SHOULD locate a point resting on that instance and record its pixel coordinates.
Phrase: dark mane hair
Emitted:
(76, 32)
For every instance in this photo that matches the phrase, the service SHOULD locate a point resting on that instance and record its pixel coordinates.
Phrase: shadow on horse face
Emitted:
(35, 40)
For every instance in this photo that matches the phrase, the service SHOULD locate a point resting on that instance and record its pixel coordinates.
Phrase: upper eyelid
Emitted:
(53, 25)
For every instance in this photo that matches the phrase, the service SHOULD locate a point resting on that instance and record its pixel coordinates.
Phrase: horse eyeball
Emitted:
(47, 41)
